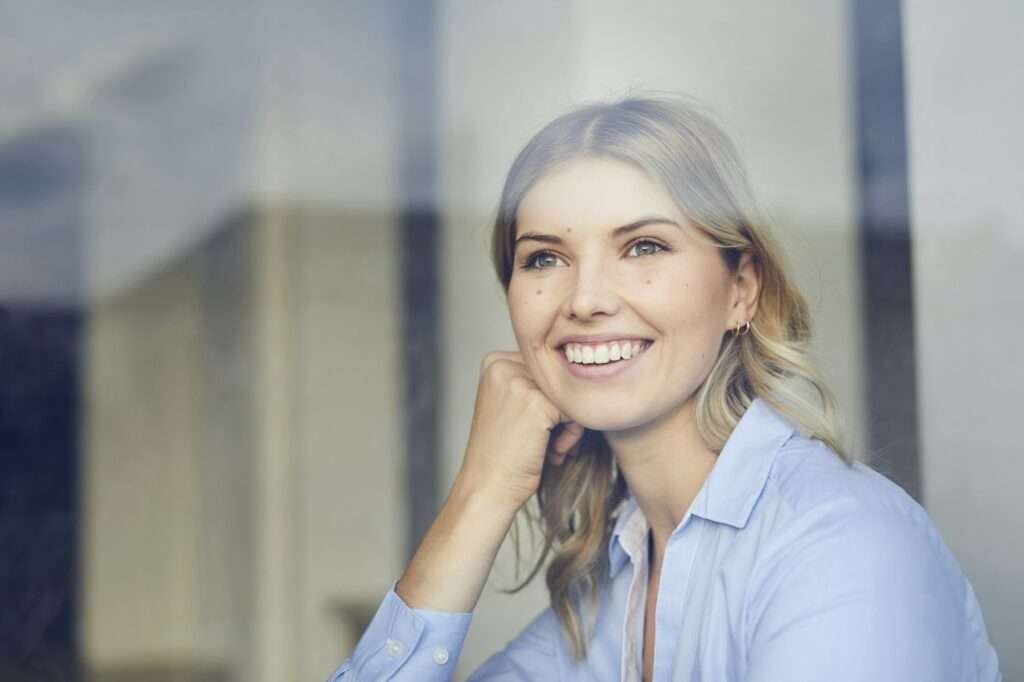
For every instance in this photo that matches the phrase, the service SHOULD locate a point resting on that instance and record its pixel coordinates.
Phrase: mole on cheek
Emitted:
(539, 292)
(648, 281)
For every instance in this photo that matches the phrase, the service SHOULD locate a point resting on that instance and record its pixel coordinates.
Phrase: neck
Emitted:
(665, 464)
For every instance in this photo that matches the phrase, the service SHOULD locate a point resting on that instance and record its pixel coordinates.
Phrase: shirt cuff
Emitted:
(406, 644)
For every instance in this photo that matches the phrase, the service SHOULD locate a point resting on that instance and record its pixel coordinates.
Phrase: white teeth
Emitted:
(602, 354)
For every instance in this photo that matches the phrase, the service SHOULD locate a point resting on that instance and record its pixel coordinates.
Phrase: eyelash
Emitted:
(529, 263)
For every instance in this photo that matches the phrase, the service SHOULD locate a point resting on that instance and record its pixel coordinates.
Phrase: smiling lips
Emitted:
(599, 361)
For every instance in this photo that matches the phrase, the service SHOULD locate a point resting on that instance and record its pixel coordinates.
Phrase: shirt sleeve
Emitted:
(402, 643)
(854, 593)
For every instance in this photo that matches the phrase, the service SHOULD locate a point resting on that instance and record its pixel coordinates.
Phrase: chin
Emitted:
(607, 418)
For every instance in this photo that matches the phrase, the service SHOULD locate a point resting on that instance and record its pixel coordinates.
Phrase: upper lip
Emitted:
(598, 338)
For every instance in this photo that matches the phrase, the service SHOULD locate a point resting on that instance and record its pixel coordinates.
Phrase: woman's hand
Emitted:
(508, 441)
(512, 428)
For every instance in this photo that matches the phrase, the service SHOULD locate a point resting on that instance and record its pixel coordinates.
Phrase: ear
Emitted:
(746, 290)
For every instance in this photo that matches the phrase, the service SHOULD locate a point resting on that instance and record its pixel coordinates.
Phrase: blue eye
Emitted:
(645, 247)
(541, 260)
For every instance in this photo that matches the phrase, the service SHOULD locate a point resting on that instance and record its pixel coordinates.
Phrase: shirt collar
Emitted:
(731, 489)
(625, 534)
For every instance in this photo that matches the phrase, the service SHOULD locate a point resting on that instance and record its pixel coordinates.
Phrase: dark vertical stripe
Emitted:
(885, 245)
(42, 175)
(419, 237)
(223, 268)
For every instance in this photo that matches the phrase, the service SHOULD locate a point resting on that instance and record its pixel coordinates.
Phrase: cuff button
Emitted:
(440, 655)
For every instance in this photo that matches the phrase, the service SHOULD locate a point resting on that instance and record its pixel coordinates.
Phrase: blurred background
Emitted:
(245, 289)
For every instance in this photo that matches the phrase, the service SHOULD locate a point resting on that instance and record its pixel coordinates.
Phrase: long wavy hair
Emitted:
(682, 150)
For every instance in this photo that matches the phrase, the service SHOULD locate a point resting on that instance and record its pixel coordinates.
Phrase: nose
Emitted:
(590, 296)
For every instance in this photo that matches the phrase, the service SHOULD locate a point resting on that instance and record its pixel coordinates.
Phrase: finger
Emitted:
(495, 356)
(568, 436)
(554, 453)
(508, 354)
(558, 458)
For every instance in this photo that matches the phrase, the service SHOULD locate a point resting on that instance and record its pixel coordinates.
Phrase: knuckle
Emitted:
(541, 404)
(519, 386)
(495, 369)
(488, 361)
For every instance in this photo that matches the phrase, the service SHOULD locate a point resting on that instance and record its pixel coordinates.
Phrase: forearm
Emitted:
(451, 565)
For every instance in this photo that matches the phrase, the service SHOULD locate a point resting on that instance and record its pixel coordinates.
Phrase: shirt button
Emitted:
(395, 648)
(440, 655)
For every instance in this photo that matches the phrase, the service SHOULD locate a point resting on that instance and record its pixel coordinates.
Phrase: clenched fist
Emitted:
(513, 423)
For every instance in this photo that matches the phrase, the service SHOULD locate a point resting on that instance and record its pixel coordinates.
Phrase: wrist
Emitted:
(451, 565)
(471, 491)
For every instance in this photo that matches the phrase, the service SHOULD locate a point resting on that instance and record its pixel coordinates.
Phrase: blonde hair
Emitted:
(689, 156)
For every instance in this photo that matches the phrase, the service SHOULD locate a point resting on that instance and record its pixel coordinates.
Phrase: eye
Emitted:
(540, 260)
(645, 247)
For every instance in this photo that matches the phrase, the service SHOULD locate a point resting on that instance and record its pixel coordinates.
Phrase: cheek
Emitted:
(686, 306)
(530, 309)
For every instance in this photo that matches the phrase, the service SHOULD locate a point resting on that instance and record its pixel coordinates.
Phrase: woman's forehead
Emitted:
(592, 193)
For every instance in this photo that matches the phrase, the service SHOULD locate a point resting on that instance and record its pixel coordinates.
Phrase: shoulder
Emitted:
(844, 551)
(810, 486)
(853, 524)
(806, 474)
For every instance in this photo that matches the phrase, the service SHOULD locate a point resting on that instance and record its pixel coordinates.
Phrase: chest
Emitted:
(677, 617)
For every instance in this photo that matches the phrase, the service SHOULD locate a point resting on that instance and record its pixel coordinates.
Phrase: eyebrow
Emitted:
(617, 232)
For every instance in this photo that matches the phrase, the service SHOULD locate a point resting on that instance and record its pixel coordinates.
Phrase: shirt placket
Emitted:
(634, 542)
(676, 573)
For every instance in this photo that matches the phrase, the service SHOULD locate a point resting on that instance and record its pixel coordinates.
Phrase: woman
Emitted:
(701, 518)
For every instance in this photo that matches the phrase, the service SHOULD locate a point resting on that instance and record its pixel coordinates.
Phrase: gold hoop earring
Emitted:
(741, 328)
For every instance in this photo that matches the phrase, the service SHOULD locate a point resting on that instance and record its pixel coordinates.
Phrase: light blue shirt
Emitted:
(789, 566)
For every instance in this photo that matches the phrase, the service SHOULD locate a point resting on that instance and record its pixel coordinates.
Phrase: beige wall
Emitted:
(777, 76)
(243, 473)
(168, 470)
(348, 414)
(140, 533)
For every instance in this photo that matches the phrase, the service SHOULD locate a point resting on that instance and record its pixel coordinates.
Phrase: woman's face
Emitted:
(605, 263)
